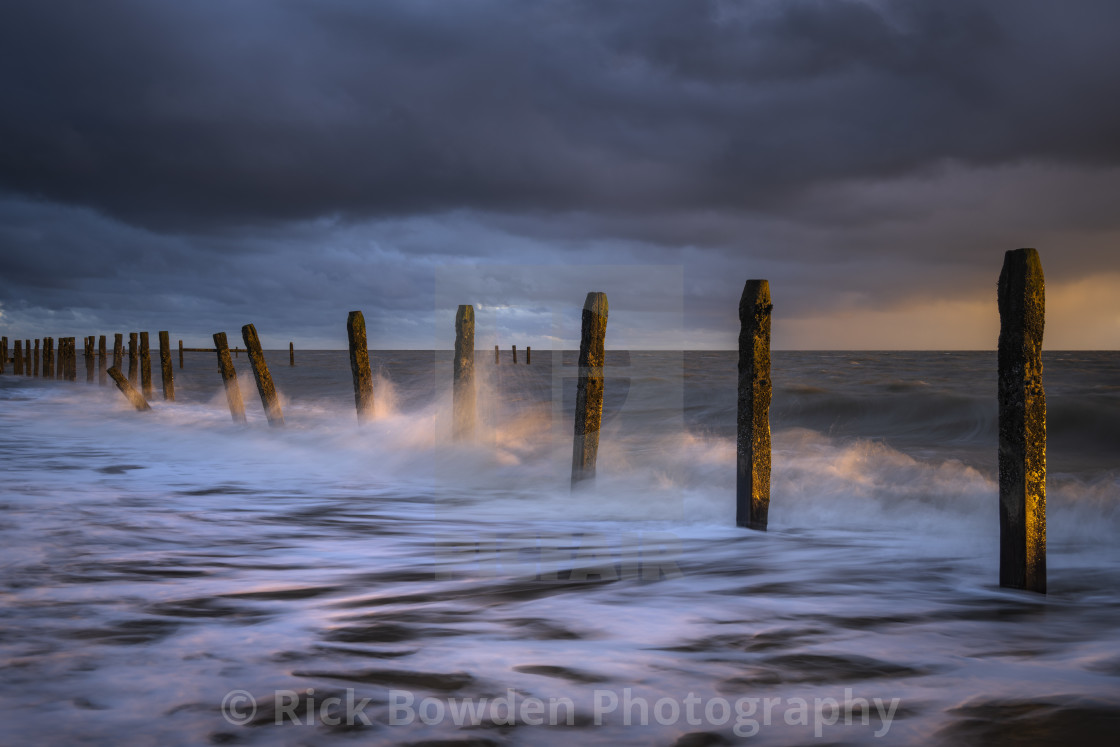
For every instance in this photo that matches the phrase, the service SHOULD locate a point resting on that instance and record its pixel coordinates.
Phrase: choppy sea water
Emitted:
(174, 578)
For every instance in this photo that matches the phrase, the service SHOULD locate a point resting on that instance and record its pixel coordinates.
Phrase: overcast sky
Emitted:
(194, 166)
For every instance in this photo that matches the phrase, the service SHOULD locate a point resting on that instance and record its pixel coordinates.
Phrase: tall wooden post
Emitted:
(497, 356)
(35, 358)
(17, 359)
(752, 474)
(589, 394)
(72, 350)
(27, 357)
(60, 363)
(128, 390)
(291, 353)
(167, 371)
(464, 392)
(265, 387)
(118, 351)
(133, 358)
(359, 365)
(528, 355)
(48, 358)
(1022, 423)
(89, 359)
(145, 365)
(180, 354)
(515, 355)
(229, 378)
(101, 367)
(3, 353)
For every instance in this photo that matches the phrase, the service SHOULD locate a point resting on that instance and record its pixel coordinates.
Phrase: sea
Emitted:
(175, 577)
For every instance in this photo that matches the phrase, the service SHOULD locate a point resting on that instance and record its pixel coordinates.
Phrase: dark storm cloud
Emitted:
(194, 116)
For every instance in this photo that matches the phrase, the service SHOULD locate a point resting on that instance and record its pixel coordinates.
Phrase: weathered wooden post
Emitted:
(101, 361)
(128, 390)
(497, 356)
(515, 355)
(359, 365)
(1022, 423)
(589, 394)
(752, 474)
(180, 354)
(17, 359)
(291, 353)
(133, 358)
(27, 360)
(528, 355)
(35, 359)
(229, 378)
(89, 359)
(3, 353)
(48, 357)
(464, 392)
(72, 358)
(145, 365)
(62, 363)
(118, 350)
(265, 387)
(166, 369)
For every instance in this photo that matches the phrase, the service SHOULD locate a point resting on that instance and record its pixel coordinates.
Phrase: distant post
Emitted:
(359, 365)
(265, 387)
(752, 474)
(1022, 423)
(35, 359)
(229, 378)
(118, 350)
(167, 371)
(48, 358)
(3, 353)
(133, 358)
(497, 356)
(180, 354)
(515, 355)
(145, 365)
(291, 353)
(101, 375)
(464, 393)
(17, 359)
(27, 360)
(60, 361)
(128, 390)
(89, 359)
(71, 359)
(589, 393)
(528, 355)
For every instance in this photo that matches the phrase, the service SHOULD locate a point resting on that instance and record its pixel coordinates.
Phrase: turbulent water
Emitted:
(172, 577)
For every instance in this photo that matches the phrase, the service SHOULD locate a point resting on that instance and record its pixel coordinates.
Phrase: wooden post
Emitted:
(128, 390)
(359, 365)
(17, 359)
(133, 358)
(528, 355)
(464, 393)
(101, 375)
(589, 394)
(89, 359)
(27, 357)
(48, 357)
(229, 378)
(145, 365)
(166, 369)
(265, 386)
(497, 357)
(515, 355)
(3, 353)
(72, 355)
(291, 353)
(1022, 423)
(752, 474)
(35, 358)
(118, 351)
(180, 354)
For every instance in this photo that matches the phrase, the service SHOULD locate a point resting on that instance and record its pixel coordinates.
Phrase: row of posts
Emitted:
(1021, 398)
(45, 361)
